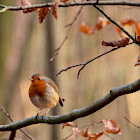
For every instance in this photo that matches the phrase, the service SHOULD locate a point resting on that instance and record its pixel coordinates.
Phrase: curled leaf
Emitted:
(112, 126)
(27, 3)
(95, 136)
(42, 13)
(119, 43)
(138, 62)
(128, 22)
(55, 9)
(86, 29)
(67, 124)
(86, 133)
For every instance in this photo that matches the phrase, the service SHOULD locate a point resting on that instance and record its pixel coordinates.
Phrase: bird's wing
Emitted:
(51, 83)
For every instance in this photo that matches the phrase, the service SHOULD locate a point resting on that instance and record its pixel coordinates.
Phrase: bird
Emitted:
(44, 93)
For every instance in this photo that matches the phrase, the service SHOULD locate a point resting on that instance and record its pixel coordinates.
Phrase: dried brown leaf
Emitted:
(86, 133)
(67, 124)
(138, 38)
(119, 43)
(55, 10)
(101, 23)
(95, 136)
(112, 126)
(42, 13)
(86, 29)
(138, 62)
(27, 3)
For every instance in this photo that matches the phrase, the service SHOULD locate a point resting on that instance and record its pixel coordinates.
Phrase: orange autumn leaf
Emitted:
(42, 13)
(55, 9)
(121, 33)
(119, 43)
(64, 0)
(128, 22)
(67, 124)
(101, 23)
(131, 22)
(138, 62)
(27, 3)
(86, 133)
(112, 126)
(95, 136)
(86, 29)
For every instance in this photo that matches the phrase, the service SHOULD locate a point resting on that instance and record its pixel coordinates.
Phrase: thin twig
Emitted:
(84, 64)
(66, 37)
(95, 58)
(131, 122)
(68, 4)
(10, 118)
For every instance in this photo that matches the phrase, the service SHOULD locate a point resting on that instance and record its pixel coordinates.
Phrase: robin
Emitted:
(43, 93)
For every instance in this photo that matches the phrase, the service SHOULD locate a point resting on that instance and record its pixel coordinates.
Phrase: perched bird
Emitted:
(43, 93)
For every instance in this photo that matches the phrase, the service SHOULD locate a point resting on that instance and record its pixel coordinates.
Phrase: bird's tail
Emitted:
(61, 100)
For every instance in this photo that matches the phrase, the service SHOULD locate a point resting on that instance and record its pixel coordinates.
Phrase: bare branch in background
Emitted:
(13, 132)
(131, 122)
(66, 37)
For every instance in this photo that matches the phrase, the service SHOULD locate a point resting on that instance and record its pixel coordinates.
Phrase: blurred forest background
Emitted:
(26, 47)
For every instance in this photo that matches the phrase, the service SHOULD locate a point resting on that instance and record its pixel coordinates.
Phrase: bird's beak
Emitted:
(31, 79)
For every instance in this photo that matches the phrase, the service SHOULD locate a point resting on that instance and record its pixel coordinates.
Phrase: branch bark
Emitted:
(77, 113)
(68, 4)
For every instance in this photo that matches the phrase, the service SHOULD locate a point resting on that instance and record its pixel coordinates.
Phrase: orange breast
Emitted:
(37, 88)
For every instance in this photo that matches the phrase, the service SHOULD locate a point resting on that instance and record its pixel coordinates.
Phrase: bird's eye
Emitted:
(38, 78)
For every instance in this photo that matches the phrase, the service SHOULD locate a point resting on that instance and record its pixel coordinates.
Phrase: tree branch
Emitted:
(84, 64)
(68, 4)
(12, 135)
(77, 113)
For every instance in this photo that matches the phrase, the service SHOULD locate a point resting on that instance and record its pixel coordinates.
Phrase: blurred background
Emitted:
(26, 48)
